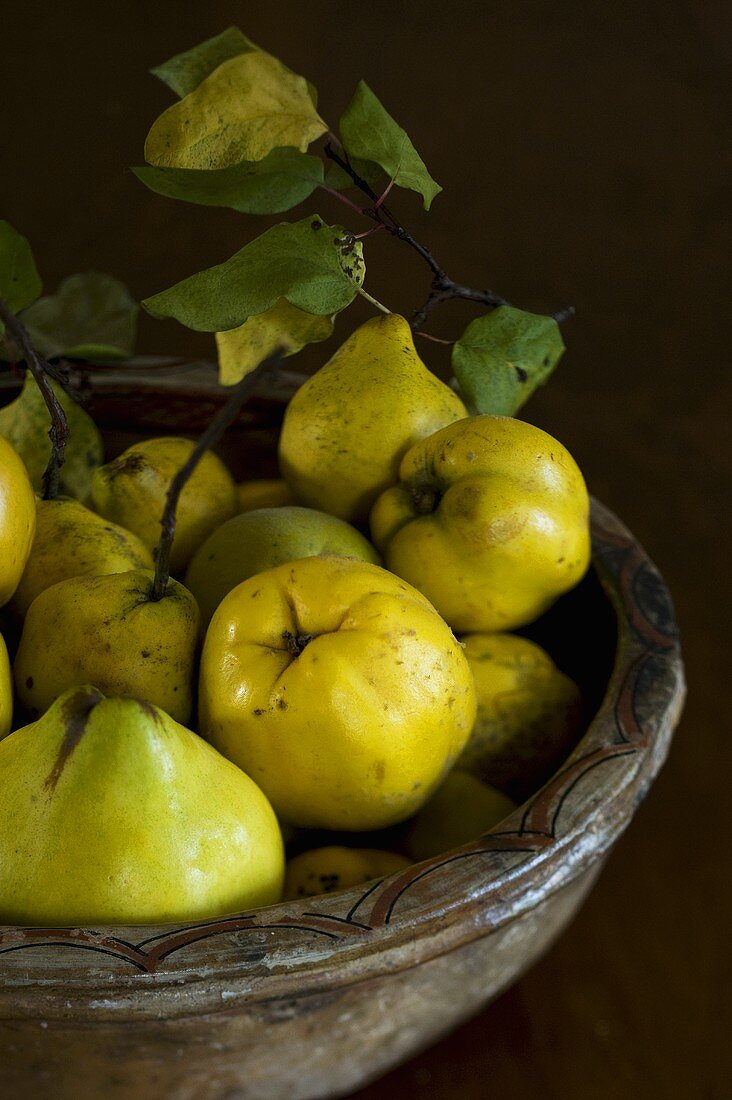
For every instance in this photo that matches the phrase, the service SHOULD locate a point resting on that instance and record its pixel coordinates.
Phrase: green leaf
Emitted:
(184, 72)
(284, 178)
(316, 267)
(502, 357)
(370, 133)
(248, 106)
(242, 349)
(25, 423)
(91, 316)
(20, 283)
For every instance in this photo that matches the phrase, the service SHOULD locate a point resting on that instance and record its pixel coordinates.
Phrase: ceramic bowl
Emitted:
(314, 998)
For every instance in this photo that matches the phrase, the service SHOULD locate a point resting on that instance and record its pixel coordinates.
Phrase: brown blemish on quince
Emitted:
(75, 716)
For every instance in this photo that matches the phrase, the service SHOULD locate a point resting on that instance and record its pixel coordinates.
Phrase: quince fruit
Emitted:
(339, 689)
(490, 520)
(347, 427)
(528, 713)
(17, 519)
(325, 870)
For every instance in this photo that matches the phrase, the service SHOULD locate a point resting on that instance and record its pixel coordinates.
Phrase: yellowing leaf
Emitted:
(185, 71)
(242, 349)
(248, 106)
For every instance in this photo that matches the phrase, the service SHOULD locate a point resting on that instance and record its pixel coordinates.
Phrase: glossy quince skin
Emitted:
(347, 427)
(338, 689)
(490, 520)
(111, 812)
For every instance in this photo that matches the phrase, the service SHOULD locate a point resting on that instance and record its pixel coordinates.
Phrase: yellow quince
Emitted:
(112, 813)
(339, 689)
(347, 427)
(325, 870)
(490, 520)
(17, 519)
(528, 712)
(132, 491)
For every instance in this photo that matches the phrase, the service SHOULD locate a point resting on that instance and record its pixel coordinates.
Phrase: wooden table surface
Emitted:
(581, 148)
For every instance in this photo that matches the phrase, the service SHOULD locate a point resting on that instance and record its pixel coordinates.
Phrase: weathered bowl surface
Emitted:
(312, 999)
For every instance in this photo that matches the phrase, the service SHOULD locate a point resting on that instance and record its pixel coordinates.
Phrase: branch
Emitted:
(443, 287)
(42, 372)
(223, 419)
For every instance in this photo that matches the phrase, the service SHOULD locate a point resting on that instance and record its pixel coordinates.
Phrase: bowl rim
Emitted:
(423, 911)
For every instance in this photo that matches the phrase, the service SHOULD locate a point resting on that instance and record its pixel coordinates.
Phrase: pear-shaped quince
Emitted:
(24, 422)
(490, 520)
(256, 541)
(17, 519)
(73, 541)
(112, 813)
(132, 490)
(339, 689)
(347, 427)
(110, 632)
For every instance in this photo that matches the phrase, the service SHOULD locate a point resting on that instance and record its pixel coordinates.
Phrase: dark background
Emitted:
(584, 155)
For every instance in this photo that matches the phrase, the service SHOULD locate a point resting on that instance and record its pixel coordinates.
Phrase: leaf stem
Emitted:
(443, 288)
(368, 232)
(223, 419)
(341, 198)
(374, 302)
(384, 195)
(42, 372)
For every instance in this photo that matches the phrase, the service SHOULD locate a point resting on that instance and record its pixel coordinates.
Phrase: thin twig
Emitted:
(226, 416)
(42, 372)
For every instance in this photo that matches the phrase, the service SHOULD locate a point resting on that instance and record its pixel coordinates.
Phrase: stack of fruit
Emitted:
(332, 695)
